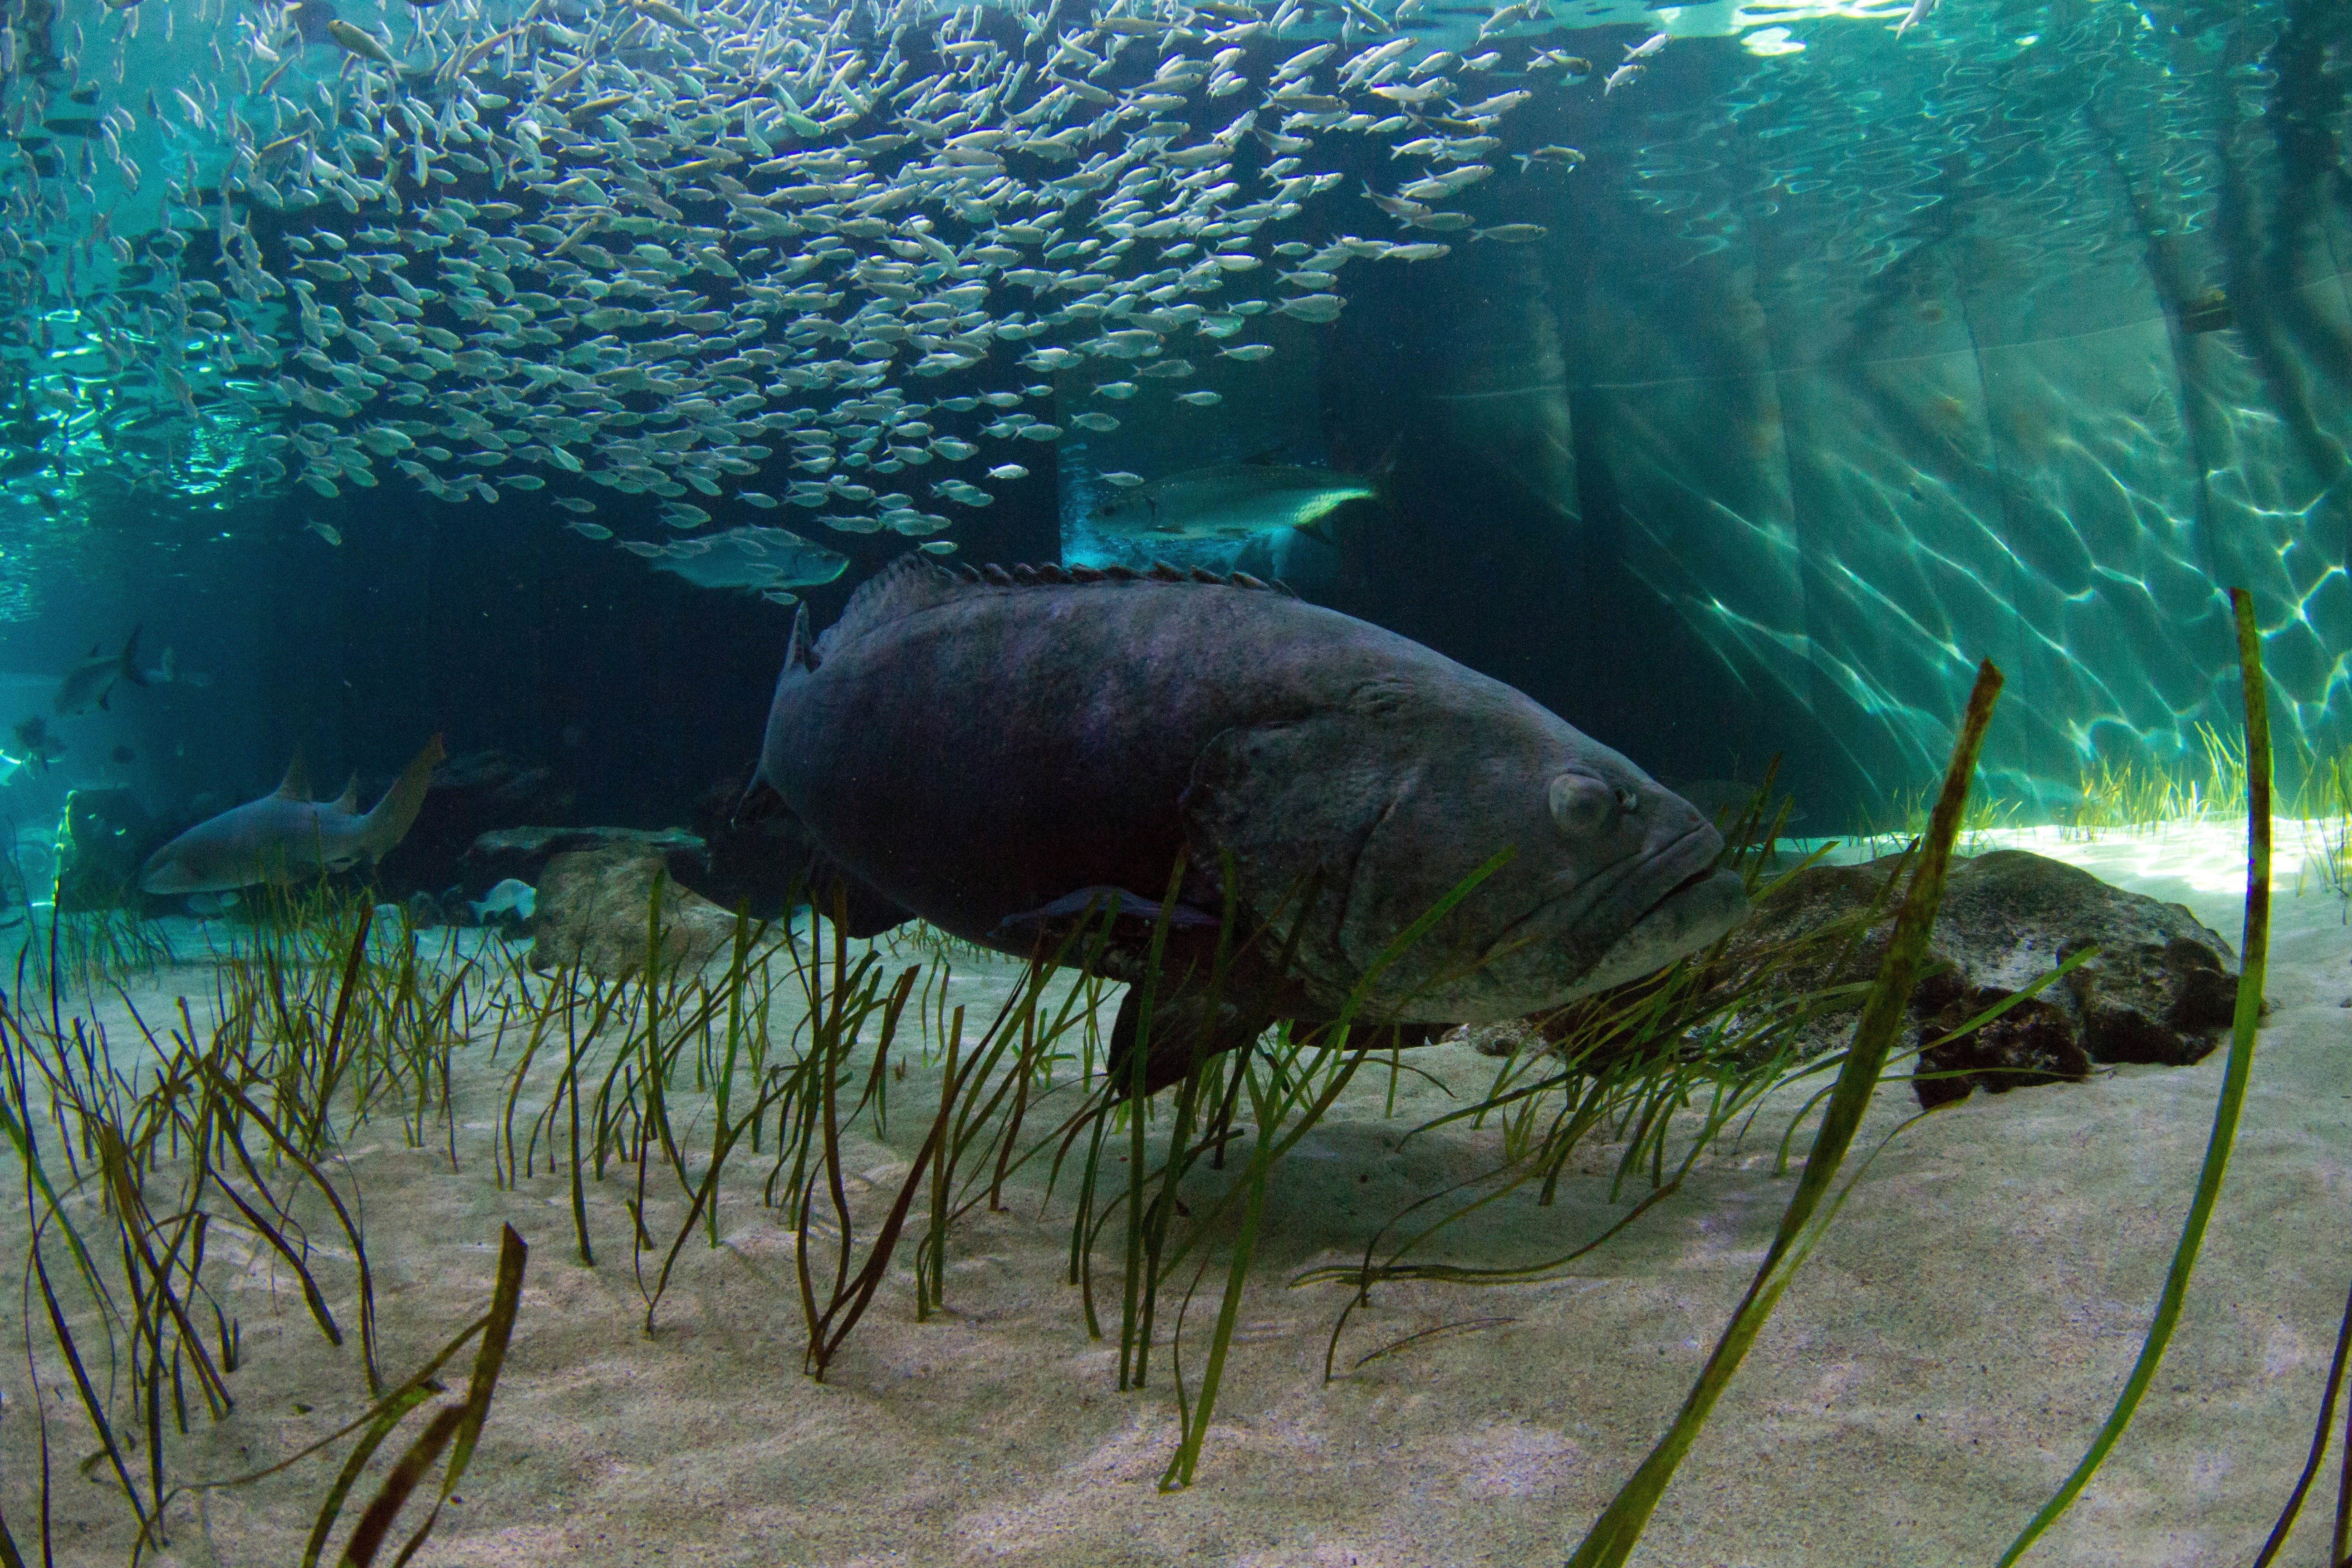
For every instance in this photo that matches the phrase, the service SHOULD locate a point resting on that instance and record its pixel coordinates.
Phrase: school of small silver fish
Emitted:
(796, 254)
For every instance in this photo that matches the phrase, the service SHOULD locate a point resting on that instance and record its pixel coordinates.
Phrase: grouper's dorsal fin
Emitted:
(905, 585)
(297, 780)
(914, 583)
(349, 801)
(994, 577)
(801, 652)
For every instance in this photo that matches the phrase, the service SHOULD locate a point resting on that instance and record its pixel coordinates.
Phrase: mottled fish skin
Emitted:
(972, 753)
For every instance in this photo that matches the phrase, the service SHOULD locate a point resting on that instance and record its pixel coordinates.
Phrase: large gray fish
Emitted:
(287, 836)
(994, 751)
(91, 683)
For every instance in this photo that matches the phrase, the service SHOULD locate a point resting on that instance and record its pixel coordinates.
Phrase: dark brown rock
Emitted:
(755, 857)
(593, 906)
(523, 853)
(2033, 1042)
(2160, 990)
(473, 793)
(104, 839)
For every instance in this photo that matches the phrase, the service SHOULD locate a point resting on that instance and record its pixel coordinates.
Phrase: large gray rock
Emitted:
(523, 853)
(2162, 990)
(592, 905)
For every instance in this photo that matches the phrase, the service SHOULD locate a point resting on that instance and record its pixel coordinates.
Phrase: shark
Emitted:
(1051, 753)
(167, 672)
(89, 683)
(285, 837)
(1229, 501)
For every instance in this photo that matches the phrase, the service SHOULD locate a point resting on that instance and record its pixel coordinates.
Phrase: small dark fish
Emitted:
(123, 756)
(2209, 312)
(33, 739)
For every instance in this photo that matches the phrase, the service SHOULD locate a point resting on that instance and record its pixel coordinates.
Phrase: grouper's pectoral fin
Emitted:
(1181, 1034)
(1049, 923)
(1292, 805)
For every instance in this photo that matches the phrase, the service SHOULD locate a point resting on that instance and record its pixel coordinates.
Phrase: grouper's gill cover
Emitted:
(986, 752)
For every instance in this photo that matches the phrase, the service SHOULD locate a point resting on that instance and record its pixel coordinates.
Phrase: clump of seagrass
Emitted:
(87, 952)
(222, 1140)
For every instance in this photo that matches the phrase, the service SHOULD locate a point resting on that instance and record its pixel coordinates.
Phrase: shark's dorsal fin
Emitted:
(297, 780)
(349, 801)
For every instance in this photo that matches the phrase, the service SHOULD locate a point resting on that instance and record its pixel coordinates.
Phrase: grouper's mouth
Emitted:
(1592, 896)
(1696, 880)
(1692, 914)
(1689, 913)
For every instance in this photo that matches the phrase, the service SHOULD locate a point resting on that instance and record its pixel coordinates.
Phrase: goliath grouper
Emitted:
(996, 752)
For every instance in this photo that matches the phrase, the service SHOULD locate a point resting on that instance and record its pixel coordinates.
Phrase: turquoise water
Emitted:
(1816, 362)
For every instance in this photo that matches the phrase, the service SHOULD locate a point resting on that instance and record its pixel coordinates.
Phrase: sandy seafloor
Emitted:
(1934, 1372)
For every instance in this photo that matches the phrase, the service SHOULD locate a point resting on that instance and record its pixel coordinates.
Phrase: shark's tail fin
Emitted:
(389, 823)
(131, 670)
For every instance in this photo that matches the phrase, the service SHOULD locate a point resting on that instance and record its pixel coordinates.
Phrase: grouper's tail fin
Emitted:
(395, 813)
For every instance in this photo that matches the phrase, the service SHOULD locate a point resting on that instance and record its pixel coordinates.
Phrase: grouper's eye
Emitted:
(1582, 806)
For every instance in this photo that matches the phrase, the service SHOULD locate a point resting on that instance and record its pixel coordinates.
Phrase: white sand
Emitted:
(1934, 1372)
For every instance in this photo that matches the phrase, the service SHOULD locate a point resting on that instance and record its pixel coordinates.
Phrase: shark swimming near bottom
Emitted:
(285, 837)
(998, 752)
